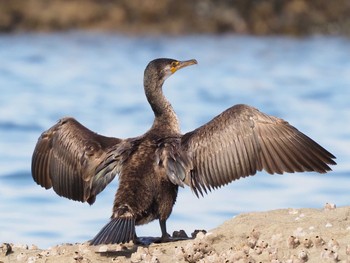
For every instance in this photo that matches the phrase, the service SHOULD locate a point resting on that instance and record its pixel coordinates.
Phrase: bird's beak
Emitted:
(182, 64)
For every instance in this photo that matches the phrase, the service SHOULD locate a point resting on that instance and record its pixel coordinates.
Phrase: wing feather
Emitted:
(207, 168)
(241, 141)
(66, 157)
(293, 148)
(235, 163)
(251, 156)
(227, 164)
(243, 157)
(286, 162)
(210, 170)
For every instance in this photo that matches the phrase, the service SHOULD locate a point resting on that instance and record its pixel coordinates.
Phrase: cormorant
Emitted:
(79, 163)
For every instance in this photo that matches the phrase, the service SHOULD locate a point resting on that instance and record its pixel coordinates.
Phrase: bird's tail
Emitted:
(118, 230)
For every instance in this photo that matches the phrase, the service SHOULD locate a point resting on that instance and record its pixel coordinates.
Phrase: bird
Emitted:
(79, 163)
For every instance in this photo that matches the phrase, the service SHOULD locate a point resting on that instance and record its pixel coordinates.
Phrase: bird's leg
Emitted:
(165, 236)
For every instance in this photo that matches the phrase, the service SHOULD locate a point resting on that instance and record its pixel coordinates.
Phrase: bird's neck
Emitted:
(165, 117)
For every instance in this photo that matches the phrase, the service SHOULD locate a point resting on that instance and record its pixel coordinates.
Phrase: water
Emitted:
(97, 78)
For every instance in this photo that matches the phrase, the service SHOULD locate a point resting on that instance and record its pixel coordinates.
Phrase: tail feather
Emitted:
(118, 230)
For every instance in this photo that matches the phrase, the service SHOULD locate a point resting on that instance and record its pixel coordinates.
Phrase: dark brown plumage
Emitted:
(79, 163)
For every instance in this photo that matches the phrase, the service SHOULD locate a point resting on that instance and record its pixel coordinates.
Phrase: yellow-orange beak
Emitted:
(175, 66)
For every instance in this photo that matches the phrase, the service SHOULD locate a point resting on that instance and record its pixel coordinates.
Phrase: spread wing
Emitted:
(241, 141)
(66, 157)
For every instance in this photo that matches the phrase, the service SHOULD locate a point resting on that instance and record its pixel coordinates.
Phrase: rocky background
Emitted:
(258, 17)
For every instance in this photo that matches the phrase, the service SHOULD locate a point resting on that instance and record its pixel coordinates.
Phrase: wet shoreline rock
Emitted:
(288, 17)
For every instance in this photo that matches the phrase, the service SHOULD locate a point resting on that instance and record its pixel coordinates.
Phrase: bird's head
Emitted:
(162, 68)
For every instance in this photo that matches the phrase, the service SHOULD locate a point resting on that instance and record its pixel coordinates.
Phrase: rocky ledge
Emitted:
(286, 235)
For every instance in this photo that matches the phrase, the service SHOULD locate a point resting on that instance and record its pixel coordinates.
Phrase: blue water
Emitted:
(97, 78)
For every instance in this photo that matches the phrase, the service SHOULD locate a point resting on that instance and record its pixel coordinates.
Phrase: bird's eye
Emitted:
(174, 64)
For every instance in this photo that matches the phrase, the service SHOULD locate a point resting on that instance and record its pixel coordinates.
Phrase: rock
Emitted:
(347, 250)
(195, 233)
(180, 234)
(329, 254)
(330, 206)
(318, 241)
(293, 242)
(303, 256)
(307, 243)
(5, 249)
(248, 237)
(297, 17)
(22, 257)
(103, 248)
(333, 244)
